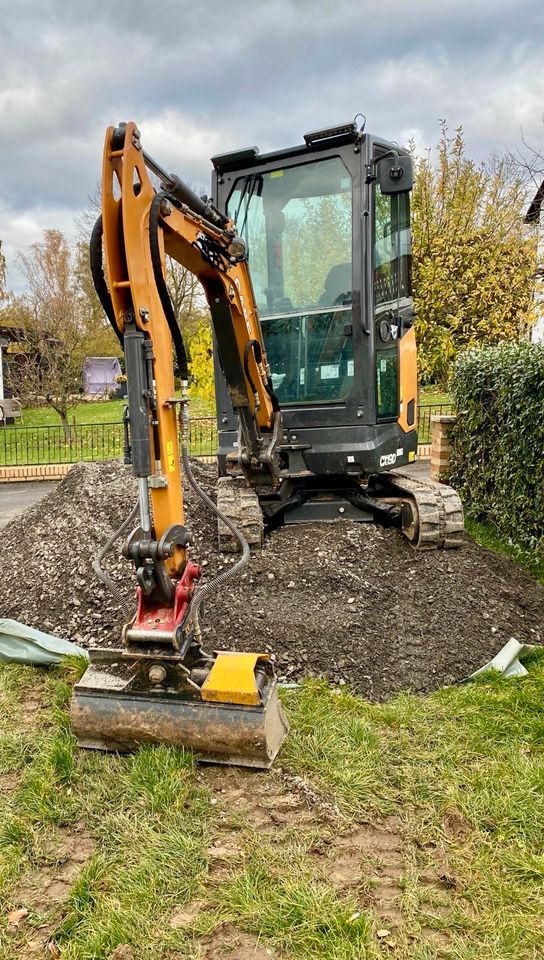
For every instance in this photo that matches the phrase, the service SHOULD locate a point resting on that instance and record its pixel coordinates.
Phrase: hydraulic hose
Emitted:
(162, 289)
(99, 280)
(241, 564)
(101, 573)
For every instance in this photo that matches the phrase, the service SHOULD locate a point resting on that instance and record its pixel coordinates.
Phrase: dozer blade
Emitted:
(115, 707)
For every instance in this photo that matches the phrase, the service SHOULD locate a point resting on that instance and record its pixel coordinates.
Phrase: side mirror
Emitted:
(396, 175)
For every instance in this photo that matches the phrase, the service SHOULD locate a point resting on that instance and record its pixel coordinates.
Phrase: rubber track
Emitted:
(241, 505)
(440, 511)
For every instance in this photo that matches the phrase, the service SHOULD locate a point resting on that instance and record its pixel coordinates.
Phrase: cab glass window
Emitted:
(297, 223)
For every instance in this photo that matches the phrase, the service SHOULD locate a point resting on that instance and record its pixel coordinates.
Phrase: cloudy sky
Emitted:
(201, 77)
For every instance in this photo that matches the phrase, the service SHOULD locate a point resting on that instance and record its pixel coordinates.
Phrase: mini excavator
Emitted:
(316, 387)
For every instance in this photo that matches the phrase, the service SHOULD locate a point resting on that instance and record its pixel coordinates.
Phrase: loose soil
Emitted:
(349, 602)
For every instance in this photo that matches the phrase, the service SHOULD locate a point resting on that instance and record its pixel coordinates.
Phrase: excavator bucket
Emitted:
(228, 712)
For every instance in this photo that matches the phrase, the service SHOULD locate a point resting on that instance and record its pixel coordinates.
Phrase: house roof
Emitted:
(533, 213)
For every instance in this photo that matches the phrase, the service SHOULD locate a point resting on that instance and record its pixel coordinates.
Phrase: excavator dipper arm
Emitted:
(140, 225)
(161, 686)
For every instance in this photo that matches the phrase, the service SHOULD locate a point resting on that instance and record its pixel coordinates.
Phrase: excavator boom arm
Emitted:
(140, 226)
(161, 686)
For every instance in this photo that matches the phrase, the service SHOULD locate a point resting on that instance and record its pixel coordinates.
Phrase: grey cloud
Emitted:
(203, 77)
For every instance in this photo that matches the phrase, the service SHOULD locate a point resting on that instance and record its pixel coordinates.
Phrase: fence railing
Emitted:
(425, 412)
(30, 446)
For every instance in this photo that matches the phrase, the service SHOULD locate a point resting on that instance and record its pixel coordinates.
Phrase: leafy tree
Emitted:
(188, 299)
(473, 262)
(202, 383)
(51, 344)
(100, 340)
(317, 238)
(185, 291)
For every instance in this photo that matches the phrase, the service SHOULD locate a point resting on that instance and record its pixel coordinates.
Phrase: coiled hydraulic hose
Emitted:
(241, 564)
(101, 573)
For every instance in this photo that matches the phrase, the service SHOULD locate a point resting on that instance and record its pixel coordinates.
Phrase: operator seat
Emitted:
(337, 285)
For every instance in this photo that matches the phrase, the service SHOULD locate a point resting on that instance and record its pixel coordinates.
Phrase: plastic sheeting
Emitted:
(100, 374)
(22, 644)
(508, 660)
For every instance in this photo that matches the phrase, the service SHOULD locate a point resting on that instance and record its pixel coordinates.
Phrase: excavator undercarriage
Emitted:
(429, 514)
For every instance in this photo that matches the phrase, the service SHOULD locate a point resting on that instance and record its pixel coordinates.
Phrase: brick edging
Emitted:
(42, 471)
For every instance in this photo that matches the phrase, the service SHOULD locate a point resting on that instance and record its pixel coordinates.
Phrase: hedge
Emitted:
(498, 440)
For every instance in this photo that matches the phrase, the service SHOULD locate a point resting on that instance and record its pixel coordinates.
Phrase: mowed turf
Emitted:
(95, 433)
(412, 829)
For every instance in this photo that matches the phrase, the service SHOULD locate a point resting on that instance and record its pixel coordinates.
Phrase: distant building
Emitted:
(8, 335)
(535, 214)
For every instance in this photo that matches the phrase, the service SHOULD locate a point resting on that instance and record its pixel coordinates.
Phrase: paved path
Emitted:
(15, 498)
(420, 469)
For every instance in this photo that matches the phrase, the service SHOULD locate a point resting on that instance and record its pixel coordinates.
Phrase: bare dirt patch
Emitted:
(261, 801)
(372, 863)
(186, 915)
(45, 888)
(228, 943)
(9, 782)
(349, 602)
(368, 862)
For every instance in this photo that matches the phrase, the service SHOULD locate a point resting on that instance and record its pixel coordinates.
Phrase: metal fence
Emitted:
(30, 446)
(424, 414)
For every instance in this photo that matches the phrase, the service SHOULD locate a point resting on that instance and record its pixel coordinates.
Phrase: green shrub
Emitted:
(498, 440)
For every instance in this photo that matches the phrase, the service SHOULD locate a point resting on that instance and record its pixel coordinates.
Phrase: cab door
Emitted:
(394, 338)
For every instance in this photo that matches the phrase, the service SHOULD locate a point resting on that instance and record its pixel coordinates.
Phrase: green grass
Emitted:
(434, 395)
(146, 814)
(96, 434)
(487, 536)
(477, 750)
(97, 411)
(474, 751)
(275, 898)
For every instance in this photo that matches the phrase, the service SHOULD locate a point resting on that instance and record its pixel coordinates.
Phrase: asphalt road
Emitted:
(15, 498)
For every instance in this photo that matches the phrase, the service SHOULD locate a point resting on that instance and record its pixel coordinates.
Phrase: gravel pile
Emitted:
(350, 602)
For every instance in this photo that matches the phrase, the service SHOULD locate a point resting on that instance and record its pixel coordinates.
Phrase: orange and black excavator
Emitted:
(328, 227)
(160, 685)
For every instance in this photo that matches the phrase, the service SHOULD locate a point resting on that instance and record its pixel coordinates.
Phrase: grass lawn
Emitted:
(97, 434)
(99, 411)
(433, 395)
(410, 830)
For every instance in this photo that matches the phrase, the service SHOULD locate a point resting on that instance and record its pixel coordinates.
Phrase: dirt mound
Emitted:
(351, 602)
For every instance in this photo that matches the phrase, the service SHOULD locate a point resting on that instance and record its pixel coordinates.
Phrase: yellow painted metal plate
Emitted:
(232, 679)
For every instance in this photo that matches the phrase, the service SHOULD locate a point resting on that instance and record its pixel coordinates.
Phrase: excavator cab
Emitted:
(327, 229)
